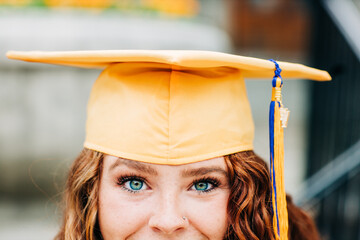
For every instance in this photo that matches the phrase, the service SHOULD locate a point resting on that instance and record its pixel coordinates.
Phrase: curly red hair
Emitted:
(249, 205)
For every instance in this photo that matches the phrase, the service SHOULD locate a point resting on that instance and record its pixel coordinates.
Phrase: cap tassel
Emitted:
(277, 121)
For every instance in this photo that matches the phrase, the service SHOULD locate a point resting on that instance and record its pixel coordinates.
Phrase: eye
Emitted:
(132, 184)
(205, 185)
(202, 186)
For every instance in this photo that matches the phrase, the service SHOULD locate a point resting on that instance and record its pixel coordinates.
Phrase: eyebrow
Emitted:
(203, 171)
(141, 167)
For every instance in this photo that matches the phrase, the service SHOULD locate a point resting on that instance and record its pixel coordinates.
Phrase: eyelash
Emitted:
(213, 181)
(123, 179)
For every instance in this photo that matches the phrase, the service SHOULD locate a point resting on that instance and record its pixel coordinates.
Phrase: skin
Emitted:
(148, 201)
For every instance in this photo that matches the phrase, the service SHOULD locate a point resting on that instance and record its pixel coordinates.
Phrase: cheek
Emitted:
(210, 216)
(118, 216)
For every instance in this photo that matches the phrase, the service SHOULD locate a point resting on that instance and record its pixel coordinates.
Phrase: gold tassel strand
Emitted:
(278, 120)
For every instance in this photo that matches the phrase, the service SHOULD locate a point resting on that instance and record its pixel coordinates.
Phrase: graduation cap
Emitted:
(178, 107)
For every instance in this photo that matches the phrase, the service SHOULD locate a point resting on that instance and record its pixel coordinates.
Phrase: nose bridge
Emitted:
(169, 201)
(167, 216)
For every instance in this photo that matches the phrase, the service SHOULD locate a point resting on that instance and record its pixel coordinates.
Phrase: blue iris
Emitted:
(136, 185)
(201, 186)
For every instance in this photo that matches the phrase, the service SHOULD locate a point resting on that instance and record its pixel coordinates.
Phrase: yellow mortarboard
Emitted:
(176, 107)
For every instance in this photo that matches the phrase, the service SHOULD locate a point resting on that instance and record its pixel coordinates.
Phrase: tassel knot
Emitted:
(277, 74)
(276, 91)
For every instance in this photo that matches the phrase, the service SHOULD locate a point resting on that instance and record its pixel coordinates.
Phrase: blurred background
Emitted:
(43, 107)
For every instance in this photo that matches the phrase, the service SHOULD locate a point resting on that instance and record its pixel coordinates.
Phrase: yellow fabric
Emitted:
(251, 67)
(152, 112)
(169, 106)
(278, 161)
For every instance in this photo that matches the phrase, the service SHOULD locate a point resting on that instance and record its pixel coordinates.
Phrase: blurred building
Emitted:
(278, 28)
(43, 107)
(332, 191)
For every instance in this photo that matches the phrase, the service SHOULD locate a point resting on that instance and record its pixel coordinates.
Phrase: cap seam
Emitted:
(169, 104)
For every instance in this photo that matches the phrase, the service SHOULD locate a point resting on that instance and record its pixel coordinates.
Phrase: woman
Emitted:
(168, 150)
(242, 198)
